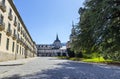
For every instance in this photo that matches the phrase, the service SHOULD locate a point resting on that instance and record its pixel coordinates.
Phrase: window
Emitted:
(13, 46)
(2, 5)
(18, 35)
(1, 19)
(10, 16)
(9, 26)
(20, 49)
(14, 31)
(10, 11)
(18, 26)
(3, 2)
(7, 44)
(0, 38)
(15, 19)
(17, 48)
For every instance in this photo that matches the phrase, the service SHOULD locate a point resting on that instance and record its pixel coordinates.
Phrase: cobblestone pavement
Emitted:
(53, 68)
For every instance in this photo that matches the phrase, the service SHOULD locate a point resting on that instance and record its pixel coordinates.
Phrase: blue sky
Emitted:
(46, 18)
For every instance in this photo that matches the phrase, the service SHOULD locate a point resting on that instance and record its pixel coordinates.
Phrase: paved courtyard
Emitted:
(53, 68)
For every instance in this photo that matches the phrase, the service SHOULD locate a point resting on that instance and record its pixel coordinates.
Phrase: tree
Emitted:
(99, 28)
(70, 53)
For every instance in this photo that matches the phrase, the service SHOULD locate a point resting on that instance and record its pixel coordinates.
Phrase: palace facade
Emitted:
(15, 40)
(55, 49)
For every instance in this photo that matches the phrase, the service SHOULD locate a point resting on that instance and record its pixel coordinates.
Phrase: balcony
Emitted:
(2, 26)
(10, 16)
(18, 40)
(9, 32)
(15, 23)
(2, 7)
(14, 37)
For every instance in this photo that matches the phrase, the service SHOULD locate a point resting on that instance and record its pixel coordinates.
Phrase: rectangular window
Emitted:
(1, 18)
(15, 19)
(13, 46)
(9, 26)
(0, 38)
(14, 31)
(17, 48)
(7, 44)
(3, 2)
(10, 11)
(18, 26)
(18, 36)
(20, 49)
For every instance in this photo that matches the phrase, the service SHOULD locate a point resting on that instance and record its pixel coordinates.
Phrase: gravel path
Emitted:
(53, 68)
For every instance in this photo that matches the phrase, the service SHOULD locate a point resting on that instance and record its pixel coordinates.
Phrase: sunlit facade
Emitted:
(55, 49)
(15, 40)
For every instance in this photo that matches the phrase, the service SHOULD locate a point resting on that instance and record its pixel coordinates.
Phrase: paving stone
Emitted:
(53, 68)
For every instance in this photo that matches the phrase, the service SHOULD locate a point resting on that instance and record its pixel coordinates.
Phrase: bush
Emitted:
(112, 56)
(79, 55)
(70, 53)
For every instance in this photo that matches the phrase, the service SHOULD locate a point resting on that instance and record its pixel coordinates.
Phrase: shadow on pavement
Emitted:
(13, 77)
(73, 70)
(11, 65)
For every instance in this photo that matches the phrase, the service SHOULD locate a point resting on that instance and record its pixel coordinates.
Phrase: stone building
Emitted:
(57, 43)
(55, 49)
(15, 40)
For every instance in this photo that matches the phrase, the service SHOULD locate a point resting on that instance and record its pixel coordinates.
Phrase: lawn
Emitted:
(93, 60)
(97, 60)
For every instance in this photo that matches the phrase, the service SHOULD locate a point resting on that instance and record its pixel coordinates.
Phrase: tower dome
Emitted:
(57, 43)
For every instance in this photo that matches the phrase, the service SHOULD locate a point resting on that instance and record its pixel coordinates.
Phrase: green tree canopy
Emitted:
(98, 29)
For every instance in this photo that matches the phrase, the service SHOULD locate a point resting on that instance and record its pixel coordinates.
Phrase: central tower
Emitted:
(57, 43)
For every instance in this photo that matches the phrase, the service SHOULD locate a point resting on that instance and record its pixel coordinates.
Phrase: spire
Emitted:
(57, 43)
(57, 37)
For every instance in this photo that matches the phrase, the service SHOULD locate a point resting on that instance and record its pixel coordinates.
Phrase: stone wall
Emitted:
(7, 56)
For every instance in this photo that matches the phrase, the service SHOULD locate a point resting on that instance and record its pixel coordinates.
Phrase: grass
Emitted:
(93, 60)
(97, 60)
(63, 57)
(75, 59)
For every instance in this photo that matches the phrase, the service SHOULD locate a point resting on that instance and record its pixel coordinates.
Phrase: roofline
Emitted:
(19, 17)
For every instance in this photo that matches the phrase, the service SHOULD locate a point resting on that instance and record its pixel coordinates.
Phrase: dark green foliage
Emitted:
(70, 53)
(79, 54)
(64, 54)
(59, 54)
(99, 29)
